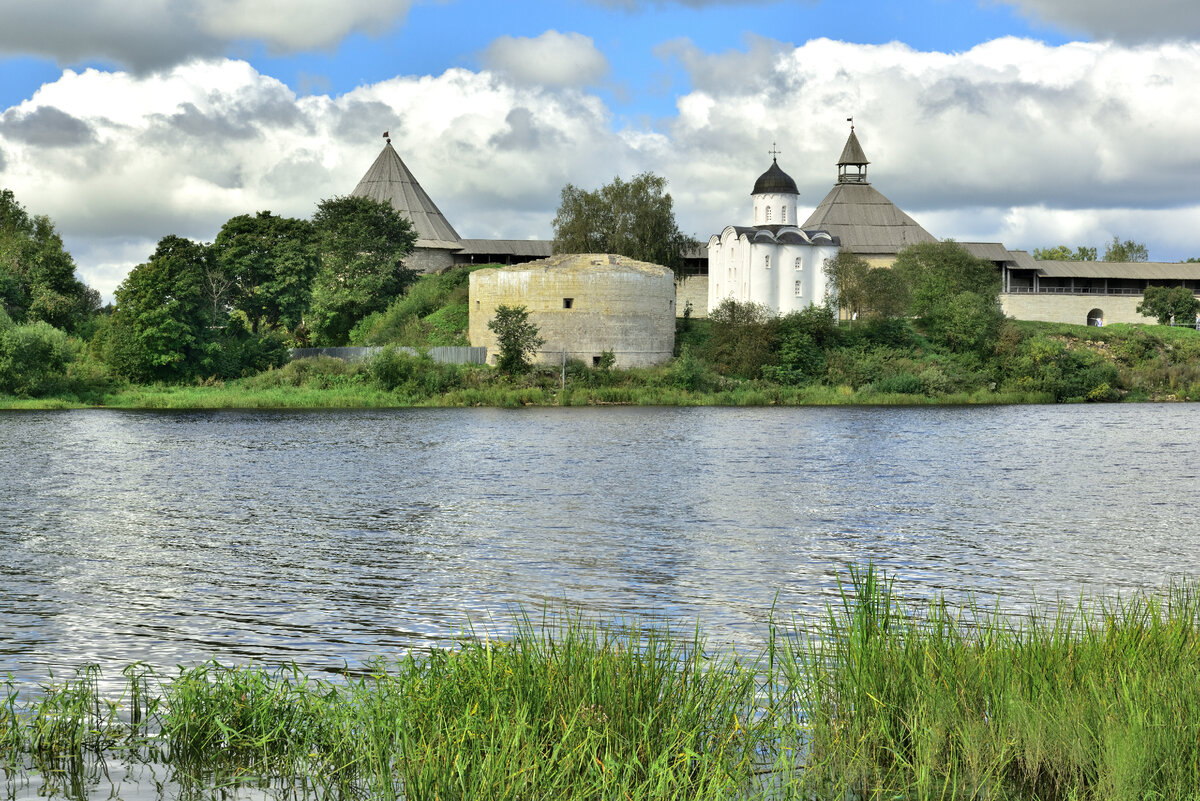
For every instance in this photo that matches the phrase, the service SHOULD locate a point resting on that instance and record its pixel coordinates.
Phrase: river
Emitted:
(331, 537)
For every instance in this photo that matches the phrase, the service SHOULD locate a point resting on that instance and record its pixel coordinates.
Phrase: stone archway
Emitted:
(1095, 317)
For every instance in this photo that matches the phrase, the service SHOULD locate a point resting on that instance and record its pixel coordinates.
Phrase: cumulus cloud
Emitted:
(1010, 124)
(1012, 141)
(551, 59)
(146, 35)
(1118, 20)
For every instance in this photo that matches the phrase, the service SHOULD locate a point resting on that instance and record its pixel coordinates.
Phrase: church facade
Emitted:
(773, 262)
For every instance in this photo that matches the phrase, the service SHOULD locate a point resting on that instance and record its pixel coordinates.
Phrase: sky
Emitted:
(1028, 122)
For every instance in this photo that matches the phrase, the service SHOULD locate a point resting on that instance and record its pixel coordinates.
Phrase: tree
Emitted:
(938, 275)
(634, 219)
(516, 337)
(33, 357)
(362, 243)
(266, 269)
(742, 338)
(163, 320)
(37, 275)
(1064, 253)
(847, 273)
(1163, 303)
(1116, 250)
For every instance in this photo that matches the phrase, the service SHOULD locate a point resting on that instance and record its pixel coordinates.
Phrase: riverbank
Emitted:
(1082, 700)
(884, 362)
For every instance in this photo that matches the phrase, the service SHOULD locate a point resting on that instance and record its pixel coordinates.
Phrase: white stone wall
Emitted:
(739, 269)
(1063, 308)
(616, 304)
(782, 209)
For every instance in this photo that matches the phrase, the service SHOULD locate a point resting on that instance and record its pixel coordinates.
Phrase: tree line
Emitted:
(197, 310)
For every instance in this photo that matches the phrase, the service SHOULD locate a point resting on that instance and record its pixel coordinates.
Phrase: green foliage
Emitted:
(955, 295)
(362, 244)
(847, 274)
(516, 338)
(266, 268)
(1167, 303)
(160, 330)
(635, 219)
(37, 275)
(742, 338)
(1064, 253)
(1116, 250)
(33, 358)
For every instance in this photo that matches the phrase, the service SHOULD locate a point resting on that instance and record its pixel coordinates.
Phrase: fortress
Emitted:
(778, 262)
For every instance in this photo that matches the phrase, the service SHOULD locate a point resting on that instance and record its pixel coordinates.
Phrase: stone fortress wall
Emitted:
(582, 305)
(1075, 308)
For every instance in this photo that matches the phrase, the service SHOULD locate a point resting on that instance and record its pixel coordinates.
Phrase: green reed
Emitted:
(878, 698)
(1078, 701)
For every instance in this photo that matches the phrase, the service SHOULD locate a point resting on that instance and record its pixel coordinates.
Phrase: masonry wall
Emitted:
(429, 260)
(1065, 308)
(692, 288)
(614, 304)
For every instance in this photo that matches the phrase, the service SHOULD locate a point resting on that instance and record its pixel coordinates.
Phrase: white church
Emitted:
(773, 262)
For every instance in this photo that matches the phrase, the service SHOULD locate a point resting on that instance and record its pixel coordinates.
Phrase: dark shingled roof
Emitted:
(865, 221)
(389, 180)
(774, 181)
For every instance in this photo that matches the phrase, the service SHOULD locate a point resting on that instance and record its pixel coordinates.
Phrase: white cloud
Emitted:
(152, 34)
(551, 59)
(1014, 141)
(1120, 20)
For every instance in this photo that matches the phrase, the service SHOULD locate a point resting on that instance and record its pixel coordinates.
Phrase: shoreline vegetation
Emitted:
(740, 355)
(872, 363)
(878, 699)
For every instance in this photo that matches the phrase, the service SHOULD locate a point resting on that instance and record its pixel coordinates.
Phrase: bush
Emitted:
(33, 358)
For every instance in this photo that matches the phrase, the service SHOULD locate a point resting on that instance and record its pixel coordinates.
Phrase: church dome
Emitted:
(775, 181)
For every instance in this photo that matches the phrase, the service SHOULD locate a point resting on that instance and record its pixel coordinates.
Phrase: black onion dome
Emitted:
(775, 181)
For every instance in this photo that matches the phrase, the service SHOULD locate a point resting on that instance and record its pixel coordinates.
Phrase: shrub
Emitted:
(33, 358)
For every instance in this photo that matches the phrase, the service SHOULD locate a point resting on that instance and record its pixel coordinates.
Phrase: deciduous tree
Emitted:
(516, 337)
(1165, 302)
(1064, 253)
(362, 245)
(1116, 250)
(267, 266)
(633, 218)
(954, 294)
(37, 274)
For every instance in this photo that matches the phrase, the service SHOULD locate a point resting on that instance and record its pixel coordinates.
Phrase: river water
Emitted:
(328, 538)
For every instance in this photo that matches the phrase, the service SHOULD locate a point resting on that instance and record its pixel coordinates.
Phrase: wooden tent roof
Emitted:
(389, 180)
(865, 221)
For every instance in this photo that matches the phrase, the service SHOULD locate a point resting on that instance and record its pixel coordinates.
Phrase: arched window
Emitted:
(767, 261)
(798, 293)
(799, 263)
(768, 213)
(783, 215)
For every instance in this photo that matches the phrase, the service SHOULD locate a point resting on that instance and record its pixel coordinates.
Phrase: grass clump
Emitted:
(1091, 701)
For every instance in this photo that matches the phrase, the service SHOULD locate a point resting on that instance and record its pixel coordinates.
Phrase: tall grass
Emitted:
(879, 698)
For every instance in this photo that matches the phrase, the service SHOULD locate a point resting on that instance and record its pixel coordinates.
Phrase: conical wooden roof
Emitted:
(852, 153)
(866, 222)
(389, 180)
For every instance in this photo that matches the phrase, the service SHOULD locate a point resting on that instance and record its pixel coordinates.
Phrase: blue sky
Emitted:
(1031, 122)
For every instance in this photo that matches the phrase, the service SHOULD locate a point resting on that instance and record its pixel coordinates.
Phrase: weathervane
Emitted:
(851, 121)
(388, 136)
(773, 152)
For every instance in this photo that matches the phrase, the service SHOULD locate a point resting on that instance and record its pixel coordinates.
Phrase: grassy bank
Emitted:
(877, 362)
(879, 699)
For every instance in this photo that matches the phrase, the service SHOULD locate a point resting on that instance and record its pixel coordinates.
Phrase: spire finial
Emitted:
(851, 121)
(773, 152)
(388, 136)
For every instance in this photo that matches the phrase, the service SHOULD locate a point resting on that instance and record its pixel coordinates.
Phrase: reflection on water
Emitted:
(331, 537)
